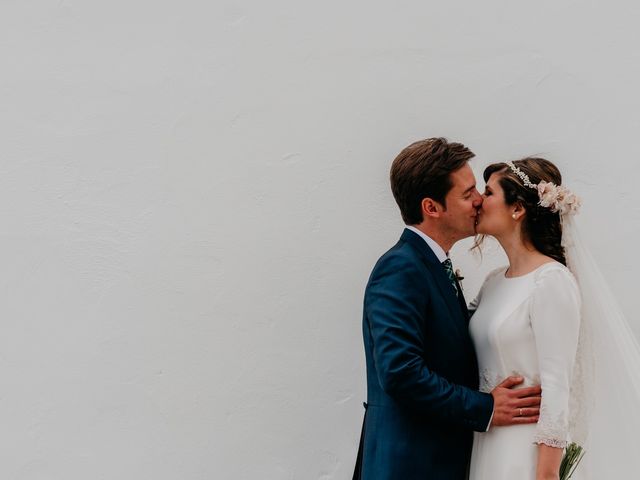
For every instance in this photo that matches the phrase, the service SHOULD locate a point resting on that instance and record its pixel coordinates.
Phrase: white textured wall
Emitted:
(193, 193)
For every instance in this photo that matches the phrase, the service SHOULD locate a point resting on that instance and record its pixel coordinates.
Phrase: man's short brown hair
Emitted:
(422, 171)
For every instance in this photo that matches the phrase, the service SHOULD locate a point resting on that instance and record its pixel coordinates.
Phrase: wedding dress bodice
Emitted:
(526, 326)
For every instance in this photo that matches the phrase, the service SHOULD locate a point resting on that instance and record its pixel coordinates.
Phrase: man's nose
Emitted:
(477, 202)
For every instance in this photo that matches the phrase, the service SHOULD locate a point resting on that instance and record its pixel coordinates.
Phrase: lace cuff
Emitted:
(551, 432)
(541, 439)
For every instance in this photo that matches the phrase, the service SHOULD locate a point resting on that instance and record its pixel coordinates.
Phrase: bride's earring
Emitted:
(514, 216)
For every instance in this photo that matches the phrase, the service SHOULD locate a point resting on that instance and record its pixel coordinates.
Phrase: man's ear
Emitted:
(431, 208)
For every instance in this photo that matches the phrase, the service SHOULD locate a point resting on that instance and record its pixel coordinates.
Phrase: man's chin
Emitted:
(478, 229)
(481, 231)
(475, 230)
(470, 233)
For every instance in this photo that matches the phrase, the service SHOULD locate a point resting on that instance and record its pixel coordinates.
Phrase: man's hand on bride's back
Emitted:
(515, 406)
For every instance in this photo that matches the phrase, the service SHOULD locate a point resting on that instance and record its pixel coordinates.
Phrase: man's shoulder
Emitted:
(400, 252)
(402, 258)
(399, 269)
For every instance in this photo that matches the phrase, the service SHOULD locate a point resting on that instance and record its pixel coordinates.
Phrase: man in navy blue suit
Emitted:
(423, 402)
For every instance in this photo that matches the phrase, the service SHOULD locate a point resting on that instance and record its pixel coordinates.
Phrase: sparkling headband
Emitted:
(555, 197)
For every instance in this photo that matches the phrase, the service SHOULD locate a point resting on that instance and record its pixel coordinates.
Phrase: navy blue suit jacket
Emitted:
(422, 373)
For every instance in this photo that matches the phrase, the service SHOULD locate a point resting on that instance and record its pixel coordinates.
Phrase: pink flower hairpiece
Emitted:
(555, 197)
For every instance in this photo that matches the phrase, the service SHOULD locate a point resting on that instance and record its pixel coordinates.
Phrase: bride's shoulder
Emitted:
(498, 270)
(554, 273)
(496, 273)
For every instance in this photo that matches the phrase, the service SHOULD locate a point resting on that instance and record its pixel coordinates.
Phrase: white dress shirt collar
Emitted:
(437, 249)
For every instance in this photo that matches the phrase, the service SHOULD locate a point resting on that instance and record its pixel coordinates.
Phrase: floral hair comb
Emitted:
(555, 197)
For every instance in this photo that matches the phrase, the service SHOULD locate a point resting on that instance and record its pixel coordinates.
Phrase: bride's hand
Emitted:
(515, 406)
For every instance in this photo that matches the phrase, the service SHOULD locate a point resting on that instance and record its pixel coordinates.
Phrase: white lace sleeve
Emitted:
(555, 320)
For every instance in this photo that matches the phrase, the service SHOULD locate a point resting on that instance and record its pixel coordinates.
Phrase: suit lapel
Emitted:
(462, 301)
(437, 271)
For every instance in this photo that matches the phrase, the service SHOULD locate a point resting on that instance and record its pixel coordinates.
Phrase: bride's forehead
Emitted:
(494, 181)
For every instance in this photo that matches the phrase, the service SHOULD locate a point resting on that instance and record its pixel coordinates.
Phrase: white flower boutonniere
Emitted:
(459, 277)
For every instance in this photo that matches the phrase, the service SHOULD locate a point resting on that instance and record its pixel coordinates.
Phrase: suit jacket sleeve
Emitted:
(395, 303)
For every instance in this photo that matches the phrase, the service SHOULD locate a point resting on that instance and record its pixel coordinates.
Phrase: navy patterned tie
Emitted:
(448, 267)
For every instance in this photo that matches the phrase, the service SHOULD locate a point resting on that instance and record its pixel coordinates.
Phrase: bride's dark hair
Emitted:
(540, 226)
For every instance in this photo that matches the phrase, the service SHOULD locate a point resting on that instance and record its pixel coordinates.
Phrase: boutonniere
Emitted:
(459, 276)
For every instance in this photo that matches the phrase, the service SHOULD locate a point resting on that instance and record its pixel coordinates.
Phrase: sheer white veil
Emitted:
(605, 392)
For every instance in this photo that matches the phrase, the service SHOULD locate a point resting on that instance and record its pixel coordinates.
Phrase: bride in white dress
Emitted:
(534, 320)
